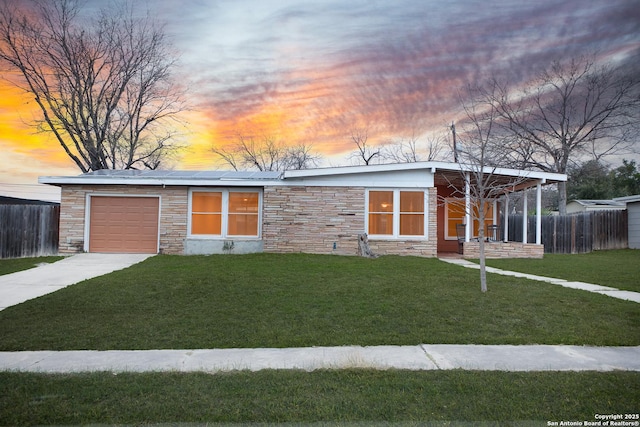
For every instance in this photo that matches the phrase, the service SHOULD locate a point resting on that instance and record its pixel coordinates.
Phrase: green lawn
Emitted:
(616, 268)
(361, 397)
(13, 265)
(297, 300)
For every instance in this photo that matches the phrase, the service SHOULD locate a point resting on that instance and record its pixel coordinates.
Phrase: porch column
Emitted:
(525, 210)
(467, 208)
(505, 236)
(538, 213)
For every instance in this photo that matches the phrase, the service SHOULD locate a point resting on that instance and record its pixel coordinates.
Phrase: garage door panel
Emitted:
(124, 224)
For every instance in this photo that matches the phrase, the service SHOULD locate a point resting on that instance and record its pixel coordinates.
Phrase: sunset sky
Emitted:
(313, 71)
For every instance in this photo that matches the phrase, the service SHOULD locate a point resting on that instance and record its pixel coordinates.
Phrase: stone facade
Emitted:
(324, 220)
(503, 250)
(173, 214)
(327, 220)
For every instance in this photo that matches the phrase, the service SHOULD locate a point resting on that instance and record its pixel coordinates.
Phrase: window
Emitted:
(381, 212)
(206, 213)
(455, 214)
(243, 214)
(224, 213)
(395, 213)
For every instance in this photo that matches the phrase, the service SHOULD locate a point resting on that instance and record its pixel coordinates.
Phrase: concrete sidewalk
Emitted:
(419, 357)
(25, 285)
(590, 287)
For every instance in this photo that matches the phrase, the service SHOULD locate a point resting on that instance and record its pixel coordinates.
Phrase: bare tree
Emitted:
(575, 109)
(301, 156)
(480, 152)
(409, 150)
(266, 154)
(364, 153)
(103, 86)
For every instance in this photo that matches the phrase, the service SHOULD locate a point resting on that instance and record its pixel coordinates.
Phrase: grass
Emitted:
(13, 265)
(341, 397)
(615, 268)
(298, 300)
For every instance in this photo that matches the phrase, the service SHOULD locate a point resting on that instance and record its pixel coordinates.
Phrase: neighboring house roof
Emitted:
(599, 204)
(628, 199)
(248, 178)
(5, 200)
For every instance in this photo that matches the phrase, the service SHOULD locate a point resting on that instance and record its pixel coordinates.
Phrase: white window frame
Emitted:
(225, 213)
(396, 214)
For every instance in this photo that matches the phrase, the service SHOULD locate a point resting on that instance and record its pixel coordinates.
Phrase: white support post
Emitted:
(539, 214)
(467, 208)
(525, 209)
(505, 236)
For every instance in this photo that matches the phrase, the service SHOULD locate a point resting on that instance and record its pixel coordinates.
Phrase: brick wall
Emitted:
(503, 250)
(173, 214)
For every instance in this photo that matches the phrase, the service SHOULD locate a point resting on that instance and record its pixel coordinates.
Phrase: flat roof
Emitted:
(215, 177)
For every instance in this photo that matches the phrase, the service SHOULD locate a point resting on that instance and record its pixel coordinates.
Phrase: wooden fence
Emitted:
(28, 230)
(576, 233)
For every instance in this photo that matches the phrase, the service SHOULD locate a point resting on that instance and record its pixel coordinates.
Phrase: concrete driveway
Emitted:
(25, 285)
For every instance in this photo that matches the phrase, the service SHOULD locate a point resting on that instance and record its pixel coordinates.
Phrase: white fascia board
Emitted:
(349, 170)
(80, 180)
(396, 167)
(392, 178)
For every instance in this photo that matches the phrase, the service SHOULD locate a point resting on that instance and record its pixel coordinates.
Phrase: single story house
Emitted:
(583, 205)
(406, 209)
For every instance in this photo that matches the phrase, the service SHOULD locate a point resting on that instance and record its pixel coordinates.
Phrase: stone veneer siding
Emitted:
(295, 219)
(503, 250)
(173, 214)
(313, 219)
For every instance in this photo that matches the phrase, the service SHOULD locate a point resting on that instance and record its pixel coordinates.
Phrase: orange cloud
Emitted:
(18, 133)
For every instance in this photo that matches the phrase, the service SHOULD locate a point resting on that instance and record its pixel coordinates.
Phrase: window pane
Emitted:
(206, 202)
(412, 224)
(380, 223)
(243, 224)
(455, 215)
(380, 201)
(243, 202)
(455, 208)
(206, 223)
(411, 201)
(451, 228)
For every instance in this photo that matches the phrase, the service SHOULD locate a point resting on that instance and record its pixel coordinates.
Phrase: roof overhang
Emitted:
(443, 173)
(166, 178)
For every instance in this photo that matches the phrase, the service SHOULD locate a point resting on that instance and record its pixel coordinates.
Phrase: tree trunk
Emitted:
(483, 268)
(562, 198)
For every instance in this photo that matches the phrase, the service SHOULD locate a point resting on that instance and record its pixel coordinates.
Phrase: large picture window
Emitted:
(396, 213)
(224, 213)
(455, 214)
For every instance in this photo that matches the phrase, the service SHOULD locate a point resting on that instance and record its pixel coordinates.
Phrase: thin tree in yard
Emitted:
(481, 152)
(103, 85)
(266, 154)
(574, 110)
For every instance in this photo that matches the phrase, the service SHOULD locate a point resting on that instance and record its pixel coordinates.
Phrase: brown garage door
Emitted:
(123, 224)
